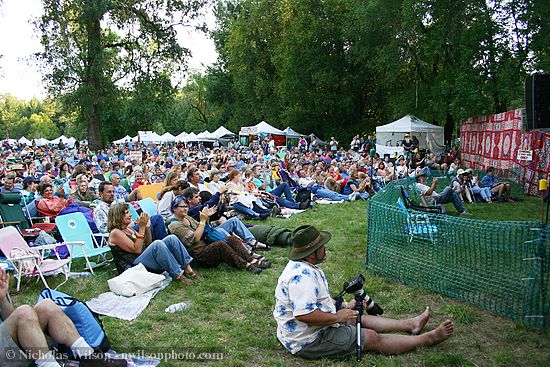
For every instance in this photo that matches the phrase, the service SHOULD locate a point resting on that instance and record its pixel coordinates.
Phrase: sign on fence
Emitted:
(135, 154)
(525, 155)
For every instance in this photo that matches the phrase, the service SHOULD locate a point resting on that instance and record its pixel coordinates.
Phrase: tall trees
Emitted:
(319, 65)
(92, 45)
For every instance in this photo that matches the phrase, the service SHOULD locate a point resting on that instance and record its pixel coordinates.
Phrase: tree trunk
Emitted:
(92, 104)
(449, 128)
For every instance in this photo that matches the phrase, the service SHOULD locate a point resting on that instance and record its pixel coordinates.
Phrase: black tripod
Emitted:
(359, 297)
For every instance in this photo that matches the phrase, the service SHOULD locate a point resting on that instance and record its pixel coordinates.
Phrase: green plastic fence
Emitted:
(501, 266)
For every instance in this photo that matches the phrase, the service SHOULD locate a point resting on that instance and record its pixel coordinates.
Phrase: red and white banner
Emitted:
(494, 140)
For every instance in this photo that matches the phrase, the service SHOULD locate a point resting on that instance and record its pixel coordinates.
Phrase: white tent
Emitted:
(291, 133)
(24, 140)
(429, 136)
(222, 133)
(11, 141)
(149, 136)
(190, 137)
(204, 136)
(41, 141)
(123, 140)
(62, 138)
(167, 137)
(260, 128)
(71, 141)
(181, 136)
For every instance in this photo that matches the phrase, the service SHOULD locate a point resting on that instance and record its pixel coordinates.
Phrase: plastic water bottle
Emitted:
(177, 307)
(83, 274)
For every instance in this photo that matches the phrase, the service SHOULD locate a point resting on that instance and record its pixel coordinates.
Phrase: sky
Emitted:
(20, 77)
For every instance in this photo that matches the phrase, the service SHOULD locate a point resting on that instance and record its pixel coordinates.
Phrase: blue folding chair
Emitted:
(74, 227)
(418, 224)
(148, 206)
(133, 211)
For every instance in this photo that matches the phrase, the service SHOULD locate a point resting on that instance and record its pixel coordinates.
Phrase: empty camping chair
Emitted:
(74, 227)
(418, 224)
(31, 261)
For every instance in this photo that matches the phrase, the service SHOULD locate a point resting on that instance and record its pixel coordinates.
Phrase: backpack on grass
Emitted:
(86, 321)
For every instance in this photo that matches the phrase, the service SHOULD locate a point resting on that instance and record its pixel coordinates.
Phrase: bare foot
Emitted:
(441, 333)
(420, 321)
(185, 280)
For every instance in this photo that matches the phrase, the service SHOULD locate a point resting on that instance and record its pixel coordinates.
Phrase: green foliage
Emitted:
(89, 46)
(318, 65)
(32, 119)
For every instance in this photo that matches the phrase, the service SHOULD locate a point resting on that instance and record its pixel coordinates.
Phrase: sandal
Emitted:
(251, 267)
(261, 263)
(255, 247)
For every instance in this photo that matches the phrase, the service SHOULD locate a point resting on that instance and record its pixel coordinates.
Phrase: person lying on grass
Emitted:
(130, 247)
(308, 324)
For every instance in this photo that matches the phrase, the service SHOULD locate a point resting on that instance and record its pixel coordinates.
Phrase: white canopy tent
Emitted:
(221, 133)
(291, 133)
(204, 136)
(41, 141)
(190, 137)
(429, 136)
(24, 140)
(181, 136)
(67, 141)
(260, 128)
(11, 141)
(392, 151)
(124, 140)
(167, 137)
(149, 137)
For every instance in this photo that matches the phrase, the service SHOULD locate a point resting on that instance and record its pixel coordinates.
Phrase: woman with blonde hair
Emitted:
(130, 247)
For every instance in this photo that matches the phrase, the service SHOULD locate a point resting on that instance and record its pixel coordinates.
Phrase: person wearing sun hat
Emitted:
(459, 185)
(310, 326)
(431, 197)
(473, 184)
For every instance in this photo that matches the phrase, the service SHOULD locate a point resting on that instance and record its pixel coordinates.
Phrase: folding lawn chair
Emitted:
(418, 224)
(410, 204)
(31, 261)
(12, 213)
(133, 211)
(151, 191)
(148, 205)
(74, 227)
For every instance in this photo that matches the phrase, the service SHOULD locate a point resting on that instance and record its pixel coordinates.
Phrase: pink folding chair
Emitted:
(30, 261)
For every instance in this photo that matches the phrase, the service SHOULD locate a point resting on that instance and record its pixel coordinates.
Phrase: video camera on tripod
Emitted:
(362, 301)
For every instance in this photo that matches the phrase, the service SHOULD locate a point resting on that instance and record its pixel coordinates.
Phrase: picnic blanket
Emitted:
(124, 308)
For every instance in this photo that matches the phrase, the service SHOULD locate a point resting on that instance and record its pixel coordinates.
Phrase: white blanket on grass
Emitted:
(125, 308)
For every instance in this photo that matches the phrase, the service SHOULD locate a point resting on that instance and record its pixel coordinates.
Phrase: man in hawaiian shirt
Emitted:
(308, 323)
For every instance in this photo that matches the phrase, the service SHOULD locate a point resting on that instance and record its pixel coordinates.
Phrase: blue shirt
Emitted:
(489, 181)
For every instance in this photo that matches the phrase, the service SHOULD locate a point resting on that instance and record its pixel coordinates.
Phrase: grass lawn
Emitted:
(231, 311)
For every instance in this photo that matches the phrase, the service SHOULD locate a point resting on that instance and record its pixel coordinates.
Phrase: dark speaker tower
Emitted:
(537, 101)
